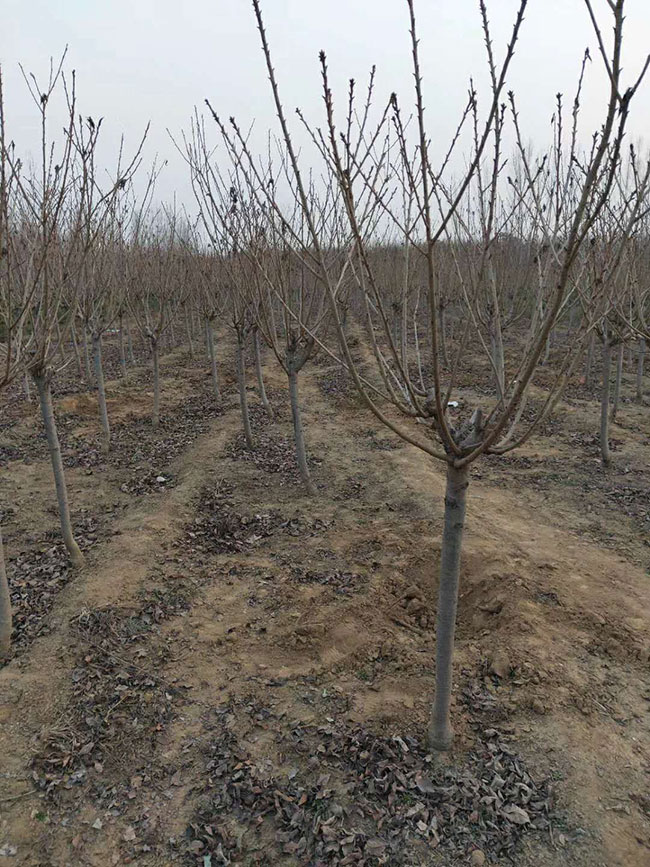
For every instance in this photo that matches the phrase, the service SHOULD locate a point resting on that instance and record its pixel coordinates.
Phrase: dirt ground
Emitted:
(242, 674)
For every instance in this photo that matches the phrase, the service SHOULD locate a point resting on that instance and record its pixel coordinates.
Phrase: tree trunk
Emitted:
(209, 337)
(298, 432)
(440, 730)
(43, 385)
(122, 353)
(604, 402)
(243, 397)
(155, 418)
(28, 392)
(101, 391)
(639, 369)
(259, 374)
(619, 377)
(86, 354)
(5, 608)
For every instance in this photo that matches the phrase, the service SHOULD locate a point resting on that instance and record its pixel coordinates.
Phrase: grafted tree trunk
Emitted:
(5, 607)
(259, 374)
(619, 376)
(440, 731)
(122, 353)
(639, 369)
(298, 432)
(243, 397)
(101, 391)
(604, 402)
(155, 418)
(209, 338)
(43, 384)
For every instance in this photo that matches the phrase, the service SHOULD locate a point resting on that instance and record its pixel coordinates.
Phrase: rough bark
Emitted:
(639, 369)
(604, 402)
(440, 731)
(209, 337)
(155, 418)
(243, 397)
(5, 607)
(28, 391)
(258, 373)
(298, 432)
(43, 385)
(619, 377)
(101, 391)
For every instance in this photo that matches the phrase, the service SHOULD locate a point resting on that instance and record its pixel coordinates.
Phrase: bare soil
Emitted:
(242, 674)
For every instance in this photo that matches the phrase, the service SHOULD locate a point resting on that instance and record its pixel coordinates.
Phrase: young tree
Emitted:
(581, 183)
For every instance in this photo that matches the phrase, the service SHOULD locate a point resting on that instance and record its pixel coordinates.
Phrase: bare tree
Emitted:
(579, 185)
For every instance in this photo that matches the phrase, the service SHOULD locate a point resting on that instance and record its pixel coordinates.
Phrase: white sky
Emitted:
(140, 60)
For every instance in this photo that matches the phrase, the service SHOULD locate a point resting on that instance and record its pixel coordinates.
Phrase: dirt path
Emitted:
(275, 617)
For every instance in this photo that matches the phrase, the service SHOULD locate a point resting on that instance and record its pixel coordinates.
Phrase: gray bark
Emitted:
(243, 397)
(639, 369)
(259, 374)
(42, 381)
(209, 337)
(28, 391)
(5, 608)
(619, 377)
(440, 731)
(155, 418)
(101, 391)
(298, 432)
(604, 402)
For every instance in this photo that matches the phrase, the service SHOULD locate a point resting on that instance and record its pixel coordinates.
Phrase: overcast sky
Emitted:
(140, 60)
